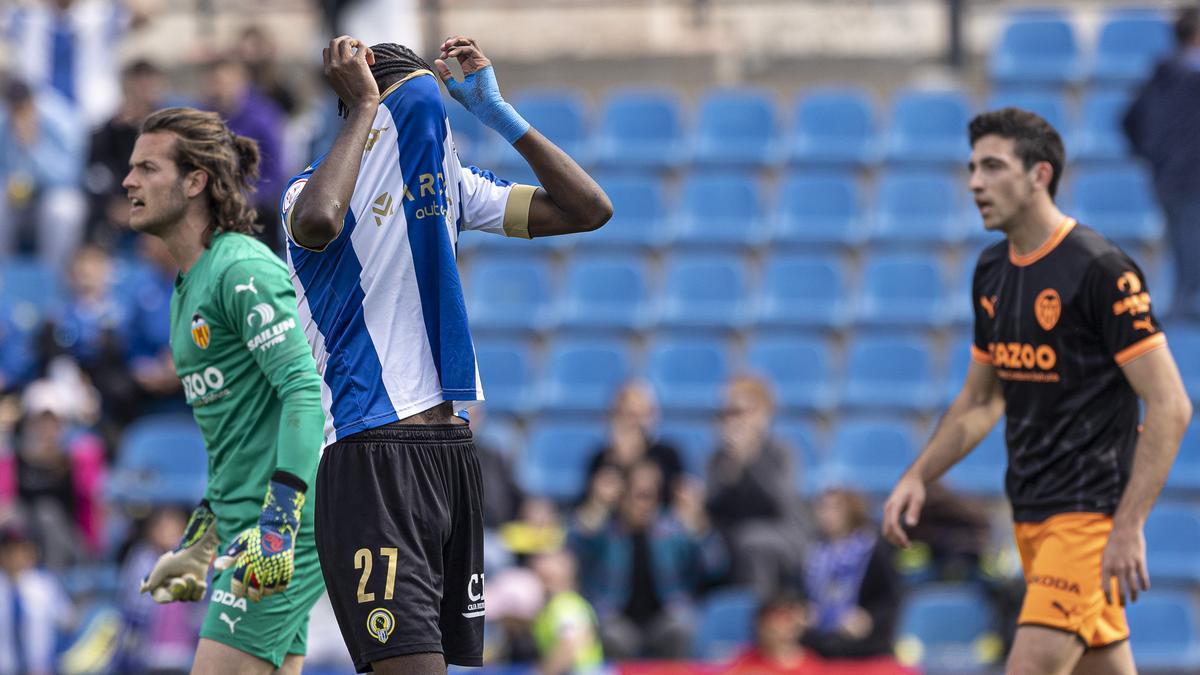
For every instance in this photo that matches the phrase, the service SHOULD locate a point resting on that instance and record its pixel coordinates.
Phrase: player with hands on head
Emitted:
(372, 228)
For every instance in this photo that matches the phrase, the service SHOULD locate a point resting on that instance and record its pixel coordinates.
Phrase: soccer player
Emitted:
(372, 228)
(1065, 346)
(249, 376)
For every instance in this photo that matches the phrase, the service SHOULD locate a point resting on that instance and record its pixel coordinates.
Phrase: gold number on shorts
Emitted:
(363, 561)
(391, 554)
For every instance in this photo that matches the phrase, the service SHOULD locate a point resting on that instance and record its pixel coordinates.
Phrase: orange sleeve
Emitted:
(1140, 348)
(981, 356)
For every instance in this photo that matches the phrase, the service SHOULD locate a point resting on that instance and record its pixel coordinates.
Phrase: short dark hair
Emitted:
(1187, 25)
(1036, 140)
(140, 68)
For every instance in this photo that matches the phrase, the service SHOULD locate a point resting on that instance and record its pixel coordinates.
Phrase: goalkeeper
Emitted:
(249, 375)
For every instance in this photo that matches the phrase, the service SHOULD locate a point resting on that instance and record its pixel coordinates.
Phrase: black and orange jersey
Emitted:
(1057, 325)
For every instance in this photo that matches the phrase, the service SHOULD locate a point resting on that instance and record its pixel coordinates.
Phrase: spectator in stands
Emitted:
(778, 626)
(149, 300)
(230, 91)
(642, 565)
(155, 637)
(854, 589)
(1164, 129)
(33, 607)
(55, 476)
(566, 629)
(143, 88)
(257, 49)
(41, 153)
(631, 437)
(515, 596)
(752, 498)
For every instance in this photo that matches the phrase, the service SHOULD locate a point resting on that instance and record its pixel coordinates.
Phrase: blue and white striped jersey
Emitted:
(382, 304)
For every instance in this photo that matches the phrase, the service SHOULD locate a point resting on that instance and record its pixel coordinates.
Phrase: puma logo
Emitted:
(989, 305)
(233, 622)
(249, 286)
(1058, 605)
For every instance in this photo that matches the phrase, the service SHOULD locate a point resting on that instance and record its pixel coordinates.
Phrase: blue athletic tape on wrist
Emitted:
(480, 94)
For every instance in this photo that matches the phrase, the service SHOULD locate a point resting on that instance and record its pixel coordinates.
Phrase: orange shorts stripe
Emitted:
(1060, 557)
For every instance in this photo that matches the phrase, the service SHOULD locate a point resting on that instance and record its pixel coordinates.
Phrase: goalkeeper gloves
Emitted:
(479, 93)
(181, 574)
(262, 557)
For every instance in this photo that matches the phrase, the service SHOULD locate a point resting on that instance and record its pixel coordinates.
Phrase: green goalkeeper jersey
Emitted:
(249, 375)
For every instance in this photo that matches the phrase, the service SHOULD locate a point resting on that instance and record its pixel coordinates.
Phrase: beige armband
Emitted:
(516, 211)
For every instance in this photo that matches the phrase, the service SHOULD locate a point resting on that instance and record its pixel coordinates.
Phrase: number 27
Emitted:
(364, 561)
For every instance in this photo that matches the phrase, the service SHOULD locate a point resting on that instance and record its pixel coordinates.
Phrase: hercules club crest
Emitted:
(200, 331)
(1048, 308)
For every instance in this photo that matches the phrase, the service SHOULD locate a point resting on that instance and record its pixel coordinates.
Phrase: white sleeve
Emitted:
(494, 205)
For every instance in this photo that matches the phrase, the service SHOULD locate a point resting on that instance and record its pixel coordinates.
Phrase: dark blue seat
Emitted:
(834, 125)
(929, 126)
(508, 294)
(560, 116)
(694, 438)
(947, 629)
(506, 368)
(981, 473)
(604, 291)
(640, 219)
(808, 454)
(162, 460)
(1185, 347)
(582, 375)
(1130, 43)
(800, 290)
(688, 372)
(720, 210)
(554, 464)
(726, 624)
(736, 128)
(706, 291)
(640, 129)
(1173, 543)
(819, 208)
(903, 290)
(800, 369)
(1165, 631)
(890, 373)
(28, 289)
(1099, 137)
(1036, 50)
(1184, 479)
(1118, 202)
(1050, 104)
(868, 454)
(919, 207)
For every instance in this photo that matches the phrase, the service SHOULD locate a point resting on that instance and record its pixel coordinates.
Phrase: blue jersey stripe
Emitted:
(419, 116)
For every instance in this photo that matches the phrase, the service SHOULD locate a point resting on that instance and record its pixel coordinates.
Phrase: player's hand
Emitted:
(468, 53)
(905, 502)
(181, 574)
(348, 64)
(1125, 561)
(263, 557)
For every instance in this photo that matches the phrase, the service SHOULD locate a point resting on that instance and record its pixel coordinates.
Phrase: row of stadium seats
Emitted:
(1042, 47)
(648, 128)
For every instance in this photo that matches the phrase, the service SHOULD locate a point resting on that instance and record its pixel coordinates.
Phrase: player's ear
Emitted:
(195, 182)
(1043, 173)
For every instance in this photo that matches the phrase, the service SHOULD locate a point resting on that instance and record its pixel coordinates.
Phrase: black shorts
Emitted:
(399, 529)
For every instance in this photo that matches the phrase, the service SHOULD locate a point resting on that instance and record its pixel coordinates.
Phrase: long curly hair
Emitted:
(205, 143)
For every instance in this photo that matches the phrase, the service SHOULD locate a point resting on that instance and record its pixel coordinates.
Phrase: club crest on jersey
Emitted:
(380, 623)
(1048, 309)
(200, 331)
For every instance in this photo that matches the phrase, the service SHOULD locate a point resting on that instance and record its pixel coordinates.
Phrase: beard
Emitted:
(165, 216)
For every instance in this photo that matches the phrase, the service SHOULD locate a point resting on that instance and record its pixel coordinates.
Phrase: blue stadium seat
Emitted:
(918, 207)
(834, 125)
(1184, 340)
(903, 290)
(508, 294)
(554, 464)
(506, 368)
(801, 290)
(1099, 137)
(694, 438)
(707, 291)
(959, 355)
(1050, 104)
(640, 129)
(1130, 44)
(1165, 632)
(948, 629)
(688, 373)
(583, 375)
(1173, 543)
(800, 369)
(929, 126)
(1118, 202)
(29, 289)
(981, 473)
(560, 116)
(1185, 473)
(808, 454)
(890, 373)
(639, 213)
(1041, 50)
(162, 460)
(819, 209)
(604, 292)
(720, 210)
(726, 624)
(474, 142)
(868, 454)
(736, 127)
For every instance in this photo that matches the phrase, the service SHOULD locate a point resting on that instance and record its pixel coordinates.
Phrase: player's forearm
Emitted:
(1157, 445)
(963, 426)
(301, 430)
(583, 204)
(317, 216)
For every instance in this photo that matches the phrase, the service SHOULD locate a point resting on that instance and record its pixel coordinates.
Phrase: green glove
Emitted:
(263, 557)
(181, 574)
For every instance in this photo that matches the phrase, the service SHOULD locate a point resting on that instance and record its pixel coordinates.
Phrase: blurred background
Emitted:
(693, 414)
